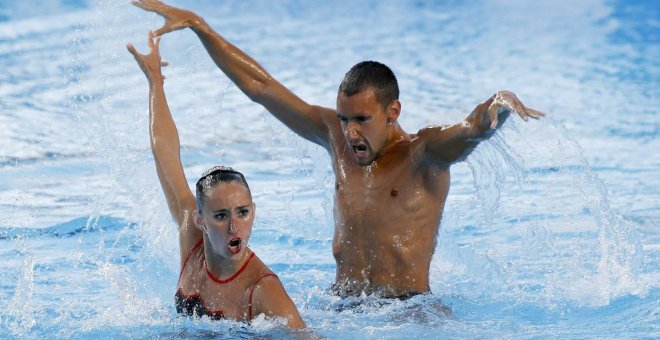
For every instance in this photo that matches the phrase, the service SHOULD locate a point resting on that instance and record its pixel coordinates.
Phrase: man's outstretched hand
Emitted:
(175, 18)
(150, 63)
(505, 101)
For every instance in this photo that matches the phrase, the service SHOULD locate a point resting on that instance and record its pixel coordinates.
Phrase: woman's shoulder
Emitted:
(268, 296)
(259, 270)
(262, 278)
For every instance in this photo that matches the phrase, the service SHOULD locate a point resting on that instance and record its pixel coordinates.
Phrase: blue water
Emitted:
(550, 229)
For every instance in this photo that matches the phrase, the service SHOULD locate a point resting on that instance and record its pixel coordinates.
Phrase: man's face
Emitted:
(364, 123)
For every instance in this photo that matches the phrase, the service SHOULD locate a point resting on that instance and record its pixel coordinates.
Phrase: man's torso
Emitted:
(387, 216)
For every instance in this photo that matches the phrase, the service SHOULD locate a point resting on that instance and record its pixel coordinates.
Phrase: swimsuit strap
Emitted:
(252, 291)
(185, 260)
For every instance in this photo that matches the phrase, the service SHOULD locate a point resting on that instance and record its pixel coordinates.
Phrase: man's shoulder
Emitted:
(420, 142)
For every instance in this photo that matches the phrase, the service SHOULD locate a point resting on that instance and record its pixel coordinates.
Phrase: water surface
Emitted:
(550, 229)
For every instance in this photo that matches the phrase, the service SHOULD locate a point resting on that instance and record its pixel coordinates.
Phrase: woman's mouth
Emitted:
(235, 245)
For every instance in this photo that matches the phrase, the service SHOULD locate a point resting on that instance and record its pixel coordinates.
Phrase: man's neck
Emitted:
(396, 136)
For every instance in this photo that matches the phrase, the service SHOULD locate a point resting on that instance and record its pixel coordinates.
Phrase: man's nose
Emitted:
(352, 130)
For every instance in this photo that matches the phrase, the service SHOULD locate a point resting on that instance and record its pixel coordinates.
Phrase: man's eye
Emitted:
(342, 119)
(221, 216)
(243, 213)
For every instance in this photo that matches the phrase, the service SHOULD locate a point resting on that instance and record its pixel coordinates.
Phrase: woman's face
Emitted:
(226, 218)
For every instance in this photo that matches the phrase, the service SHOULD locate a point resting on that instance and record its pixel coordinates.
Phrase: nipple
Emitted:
(394, 192)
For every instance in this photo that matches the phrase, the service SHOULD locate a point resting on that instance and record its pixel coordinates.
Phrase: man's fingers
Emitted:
(146, 5)
(492, 112)
(142, 5)
(518, 108)
(522, 113)
(534, 113)
(508, 101)
(162, 30)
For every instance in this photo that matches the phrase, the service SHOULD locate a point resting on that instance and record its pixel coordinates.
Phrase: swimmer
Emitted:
(391, 186)
(220, 276)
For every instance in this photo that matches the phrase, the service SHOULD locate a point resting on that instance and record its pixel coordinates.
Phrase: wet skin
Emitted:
(227, 214)
(387, 204)
(391, 186)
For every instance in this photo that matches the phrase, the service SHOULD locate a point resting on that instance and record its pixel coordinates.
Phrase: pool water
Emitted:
(550, 229)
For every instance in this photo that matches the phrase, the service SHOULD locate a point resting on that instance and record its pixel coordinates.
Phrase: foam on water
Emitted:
(590, 245)
(19, 311)
(533, 240)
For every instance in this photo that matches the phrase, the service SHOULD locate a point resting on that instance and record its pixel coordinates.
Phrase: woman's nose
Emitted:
(232, 226)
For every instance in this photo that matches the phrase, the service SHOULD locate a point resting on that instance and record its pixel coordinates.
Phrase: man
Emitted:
(391, 186)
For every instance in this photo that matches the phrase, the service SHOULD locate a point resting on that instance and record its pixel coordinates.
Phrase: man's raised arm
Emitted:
(449, 144)
(304, 119)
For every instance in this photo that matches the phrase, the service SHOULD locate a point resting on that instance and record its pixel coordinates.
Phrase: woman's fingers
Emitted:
(150, 63)
(150, 40)
(133, 51)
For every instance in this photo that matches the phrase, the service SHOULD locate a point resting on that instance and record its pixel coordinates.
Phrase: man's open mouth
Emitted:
(235, 245)
(359, 149)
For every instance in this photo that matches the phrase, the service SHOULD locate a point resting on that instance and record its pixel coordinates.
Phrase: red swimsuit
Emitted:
(193, 305)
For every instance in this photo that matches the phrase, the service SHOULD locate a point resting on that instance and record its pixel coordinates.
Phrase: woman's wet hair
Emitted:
(374, 75)
(215, 175)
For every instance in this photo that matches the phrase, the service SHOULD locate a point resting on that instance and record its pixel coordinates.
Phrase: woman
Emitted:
(220, 276)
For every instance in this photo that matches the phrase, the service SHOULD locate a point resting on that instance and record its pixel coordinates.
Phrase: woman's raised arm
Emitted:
(166, 148)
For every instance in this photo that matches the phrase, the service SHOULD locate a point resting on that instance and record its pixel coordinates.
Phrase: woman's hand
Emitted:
(175, 18)
(150, 63)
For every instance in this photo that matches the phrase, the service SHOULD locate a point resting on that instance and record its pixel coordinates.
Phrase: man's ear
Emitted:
(393, 111)
(198, 220)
